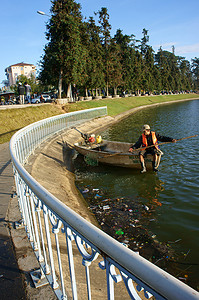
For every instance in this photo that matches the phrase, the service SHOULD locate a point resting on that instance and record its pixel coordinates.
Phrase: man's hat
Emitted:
(145, 127)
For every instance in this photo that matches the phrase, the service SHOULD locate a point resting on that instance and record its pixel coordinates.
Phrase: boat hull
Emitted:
(113, 153)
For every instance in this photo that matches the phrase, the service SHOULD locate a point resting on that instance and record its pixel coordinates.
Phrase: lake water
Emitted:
(171, 195)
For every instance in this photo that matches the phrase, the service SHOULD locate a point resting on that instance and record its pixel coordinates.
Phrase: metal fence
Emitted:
(65, 244)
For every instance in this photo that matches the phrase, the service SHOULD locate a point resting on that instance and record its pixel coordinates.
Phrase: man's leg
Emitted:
(142, 163)
(154, 163)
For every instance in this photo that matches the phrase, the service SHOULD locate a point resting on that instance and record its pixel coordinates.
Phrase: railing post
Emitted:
(38, 210)
(52, 266)
(69, 239)
(56, 231)
(86, 264)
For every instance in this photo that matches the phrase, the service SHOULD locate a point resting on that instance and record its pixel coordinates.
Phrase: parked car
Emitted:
(46, 97)
(35, 100)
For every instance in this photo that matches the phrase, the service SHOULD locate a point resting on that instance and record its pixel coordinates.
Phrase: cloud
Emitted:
(187, 49)
(166, 45)
(184, 50)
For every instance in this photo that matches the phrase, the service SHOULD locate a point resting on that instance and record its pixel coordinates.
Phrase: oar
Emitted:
(188, 137)
(117, 153)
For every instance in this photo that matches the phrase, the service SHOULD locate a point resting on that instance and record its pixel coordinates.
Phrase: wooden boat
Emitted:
(112, 153)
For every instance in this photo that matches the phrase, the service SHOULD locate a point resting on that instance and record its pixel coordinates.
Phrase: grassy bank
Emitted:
(118, 105)
(12, 120)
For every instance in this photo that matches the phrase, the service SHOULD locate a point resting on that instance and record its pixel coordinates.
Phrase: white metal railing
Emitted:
(57, 233)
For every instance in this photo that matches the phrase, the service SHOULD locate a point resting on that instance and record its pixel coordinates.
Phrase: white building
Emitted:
(14, 71)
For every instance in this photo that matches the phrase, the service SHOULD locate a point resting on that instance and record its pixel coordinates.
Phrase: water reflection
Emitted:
(150, 189)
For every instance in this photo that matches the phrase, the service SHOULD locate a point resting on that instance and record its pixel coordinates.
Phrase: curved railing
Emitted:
(57, 233)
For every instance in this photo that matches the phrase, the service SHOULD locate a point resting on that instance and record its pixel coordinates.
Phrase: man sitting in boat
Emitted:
(146, 140)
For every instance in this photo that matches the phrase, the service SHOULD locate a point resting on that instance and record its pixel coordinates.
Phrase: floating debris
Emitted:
(127, 220)
(106, 207)
(85, 191)
(146, 207)
(175, 241)
(119, 232)
(185, 255)
(97, 196)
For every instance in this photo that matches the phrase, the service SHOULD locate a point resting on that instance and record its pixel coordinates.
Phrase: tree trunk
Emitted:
(60, 84)
(107, 88)
(86, 92)
(69, 92)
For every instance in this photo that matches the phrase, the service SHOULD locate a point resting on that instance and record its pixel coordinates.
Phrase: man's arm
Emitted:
(136, 145)
(162, 138)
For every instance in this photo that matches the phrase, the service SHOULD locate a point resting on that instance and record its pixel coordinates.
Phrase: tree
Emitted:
(144, 41)
(94, 72)
(115, 69)
(186, 76)
(105, 40)
(166, 80)
(127, 58)
(195, 71)
(63, 53)
(31, 81)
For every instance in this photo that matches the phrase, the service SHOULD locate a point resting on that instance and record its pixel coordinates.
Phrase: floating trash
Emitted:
(98, 196)
(146, 207)
(106, 207)
(105, 200)
(132, 225)
(91, 160)
(119, 232)
(128, 221)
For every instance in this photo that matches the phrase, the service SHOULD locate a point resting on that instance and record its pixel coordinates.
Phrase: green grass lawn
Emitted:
(118, 105)
(12, 120)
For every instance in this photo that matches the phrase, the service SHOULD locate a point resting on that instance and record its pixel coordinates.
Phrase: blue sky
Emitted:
(171, 22)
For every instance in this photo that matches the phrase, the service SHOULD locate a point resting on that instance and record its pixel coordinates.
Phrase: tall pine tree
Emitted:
(63, 53)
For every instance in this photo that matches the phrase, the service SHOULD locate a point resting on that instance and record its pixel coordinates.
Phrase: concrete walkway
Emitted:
(17, 258)
(11, 279)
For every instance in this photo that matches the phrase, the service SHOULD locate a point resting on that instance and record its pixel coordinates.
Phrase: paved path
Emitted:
(11, 281)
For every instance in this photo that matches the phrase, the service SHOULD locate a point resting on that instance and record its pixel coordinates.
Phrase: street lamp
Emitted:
(42, 13)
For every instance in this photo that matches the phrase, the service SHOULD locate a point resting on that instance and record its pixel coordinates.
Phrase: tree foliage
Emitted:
(195, 70)
(83, 52)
